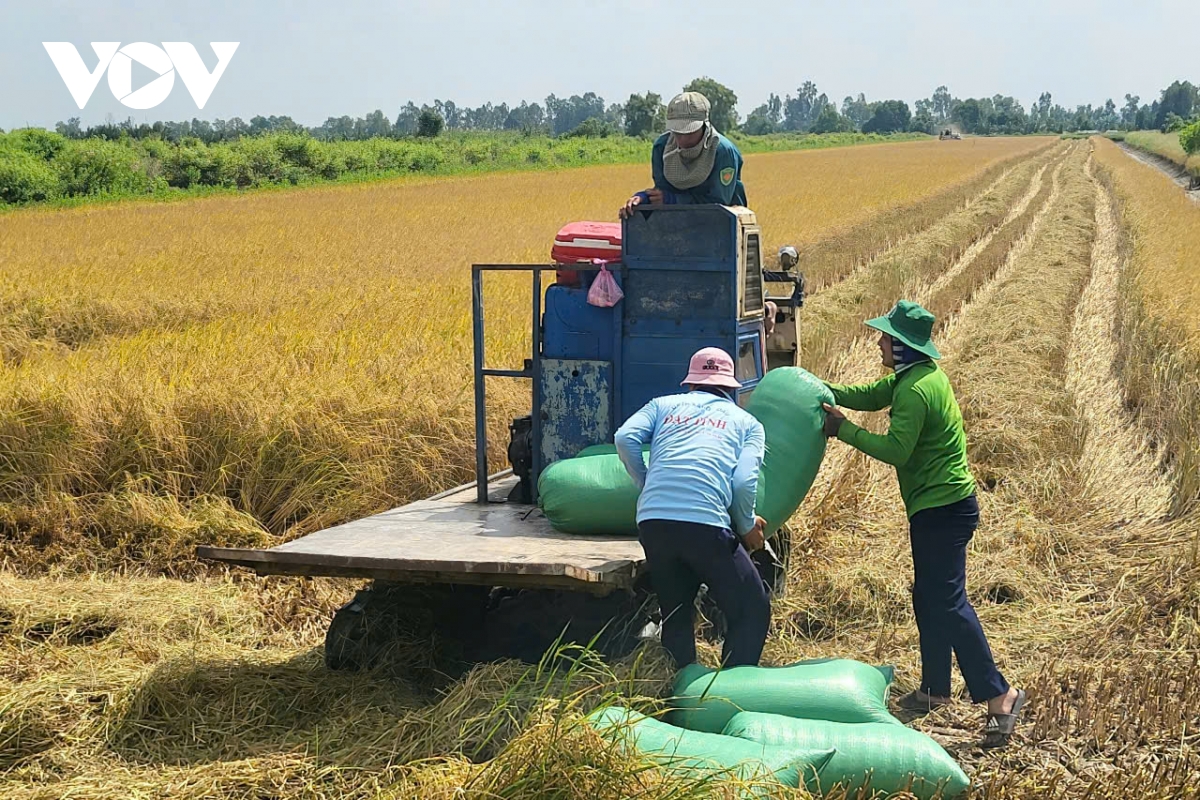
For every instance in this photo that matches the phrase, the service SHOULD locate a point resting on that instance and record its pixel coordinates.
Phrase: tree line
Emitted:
(816, 113)
(807, 111)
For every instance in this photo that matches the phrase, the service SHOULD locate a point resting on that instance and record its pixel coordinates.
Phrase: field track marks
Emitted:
(843, 464)
(1117, 466)
(983, 295)
(870, 262)
(980, 244)
(833, 319)
(881, 256)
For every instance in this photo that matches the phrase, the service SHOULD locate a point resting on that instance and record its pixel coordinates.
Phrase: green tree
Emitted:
(922, 121)
(774, 108)
(722, 102)
(1039, 113)
(858, 111)
(429, 123)
(70, 128)
(1106, 118)
(801, 111)
(764, 119)
(1007, 115)
(644, 114)
(1179, 98)
(592, 128)
(941, 104)
(1129, 111)
(376, 124)
(24, 177)
(890, 116)
(758, 124)
(830, 121)
(971, 115)
(406, 120)
(41, 143)
(566, 114)
(1189, 138)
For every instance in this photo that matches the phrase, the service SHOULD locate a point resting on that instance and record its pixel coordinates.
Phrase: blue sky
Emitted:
(313, 60)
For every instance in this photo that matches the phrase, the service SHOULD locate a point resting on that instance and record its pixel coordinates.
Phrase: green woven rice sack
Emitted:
(698, 756)
(593, 494)
(897, 758)
(590, 493)
(838, 690)
(787, 401)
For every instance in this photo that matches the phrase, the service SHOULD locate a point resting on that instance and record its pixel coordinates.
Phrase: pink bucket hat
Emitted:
(711, 366)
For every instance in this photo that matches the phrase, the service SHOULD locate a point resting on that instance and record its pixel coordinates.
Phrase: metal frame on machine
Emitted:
(482, 373)
(532, 370)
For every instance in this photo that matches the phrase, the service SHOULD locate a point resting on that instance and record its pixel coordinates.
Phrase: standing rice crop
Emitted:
(1160, 330)
(237, 369)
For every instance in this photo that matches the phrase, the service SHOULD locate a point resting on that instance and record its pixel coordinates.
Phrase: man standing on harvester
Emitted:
(692, 162)
(705, 454)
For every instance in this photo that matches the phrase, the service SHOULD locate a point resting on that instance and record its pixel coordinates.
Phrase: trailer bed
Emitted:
(451, 538)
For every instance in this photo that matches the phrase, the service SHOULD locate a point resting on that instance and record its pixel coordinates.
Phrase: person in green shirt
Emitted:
(926, 444)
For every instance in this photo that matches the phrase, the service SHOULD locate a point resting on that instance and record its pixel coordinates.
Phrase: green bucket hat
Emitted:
(911, 324)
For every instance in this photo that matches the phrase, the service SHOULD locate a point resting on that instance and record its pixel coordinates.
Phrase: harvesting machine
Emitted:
(479, 561)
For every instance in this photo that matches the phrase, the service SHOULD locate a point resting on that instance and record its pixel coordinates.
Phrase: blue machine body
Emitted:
(692, 278)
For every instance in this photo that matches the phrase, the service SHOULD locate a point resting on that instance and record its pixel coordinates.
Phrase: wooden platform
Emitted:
(452, 539)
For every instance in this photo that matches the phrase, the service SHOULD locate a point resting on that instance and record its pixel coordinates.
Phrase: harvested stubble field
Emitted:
(247, 369)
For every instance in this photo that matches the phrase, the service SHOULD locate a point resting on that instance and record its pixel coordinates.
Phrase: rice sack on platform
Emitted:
(593, 494)
(590, 493)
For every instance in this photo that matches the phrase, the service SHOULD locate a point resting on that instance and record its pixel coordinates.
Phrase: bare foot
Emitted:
(920, 702)
(934, 699)
(1002, 704)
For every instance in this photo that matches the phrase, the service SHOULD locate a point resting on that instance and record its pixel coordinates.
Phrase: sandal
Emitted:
(921, 704)
(999, 727)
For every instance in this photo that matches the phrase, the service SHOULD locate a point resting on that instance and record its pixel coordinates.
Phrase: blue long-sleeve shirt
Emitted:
(705, 454)
(724, 184)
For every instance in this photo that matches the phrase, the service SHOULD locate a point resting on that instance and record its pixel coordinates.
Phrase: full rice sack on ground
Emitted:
(838, 690)
(695, 755)
(888, 758)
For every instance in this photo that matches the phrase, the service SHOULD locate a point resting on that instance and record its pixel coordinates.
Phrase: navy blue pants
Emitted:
(683, 555)
(945, 619)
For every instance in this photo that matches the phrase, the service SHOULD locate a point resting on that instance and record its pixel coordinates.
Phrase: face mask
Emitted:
(904, 356)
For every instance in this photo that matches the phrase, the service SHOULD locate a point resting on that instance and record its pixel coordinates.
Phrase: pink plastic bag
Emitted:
(604, 292)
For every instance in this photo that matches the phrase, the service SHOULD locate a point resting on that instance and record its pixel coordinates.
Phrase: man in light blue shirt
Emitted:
(705, 453)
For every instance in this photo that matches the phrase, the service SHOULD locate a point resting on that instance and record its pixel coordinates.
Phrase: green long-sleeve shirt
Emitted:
(925, 441)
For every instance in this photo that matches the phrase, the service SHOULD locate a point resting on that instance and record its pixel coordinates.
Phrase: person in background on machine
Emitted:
(692, 162)
(926, 444)
(705, 454)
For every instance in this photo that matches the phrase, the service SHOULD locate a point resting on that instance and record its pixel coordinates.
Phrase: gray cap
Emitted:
(687, 112)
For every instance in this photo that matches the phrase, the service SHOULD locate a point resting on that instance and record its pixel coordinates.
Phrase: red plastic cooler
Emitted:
(581, 242)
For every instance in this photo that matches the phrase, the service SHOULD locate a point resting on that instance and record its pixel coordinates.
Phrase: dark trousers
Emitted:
(945, 619)
(681, 556)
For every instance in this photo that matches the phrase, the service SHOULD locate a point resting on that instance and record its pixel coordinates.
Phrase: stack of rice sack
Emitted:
(817, 724)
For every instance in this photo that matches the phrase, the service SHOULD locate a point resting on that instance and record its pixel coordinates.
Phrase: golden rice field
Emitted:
(234, 368)
(243, 369)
